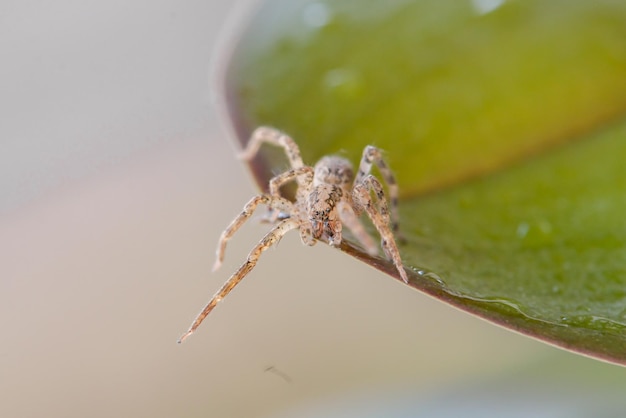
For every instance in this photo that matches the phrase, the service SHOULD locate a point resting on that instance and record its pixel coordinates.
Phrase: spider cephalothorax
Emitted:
(328, 197)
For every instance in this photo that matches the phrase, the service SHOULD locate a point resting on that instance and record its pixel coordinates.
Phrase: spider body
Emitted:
(328, 197)
(323, 216)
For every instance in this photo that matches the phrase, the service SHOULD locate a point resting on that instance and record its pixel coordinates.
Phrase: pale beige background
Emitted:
(116, 180)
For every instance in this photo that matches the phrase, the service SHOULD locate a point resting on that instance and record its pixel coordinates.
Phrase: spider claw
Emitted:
(403, 275)
(216, 265)
(184, 336)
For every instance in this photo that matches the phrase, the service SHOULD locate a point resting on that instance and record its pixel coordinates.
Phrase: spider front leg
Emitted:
(275, 137)
(274, 202)
(275, 183)
(373, 155)
(268, 240)
(351, 220)
(264, 134)
(303, 174)
(362, 194)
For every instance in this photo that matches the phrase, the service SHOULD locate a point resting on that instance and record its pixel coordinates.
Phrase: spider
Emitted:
(328, 197)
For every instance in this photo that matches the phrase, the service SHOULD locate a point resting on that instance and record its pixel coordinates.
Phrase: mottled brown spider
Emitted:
(326, 199)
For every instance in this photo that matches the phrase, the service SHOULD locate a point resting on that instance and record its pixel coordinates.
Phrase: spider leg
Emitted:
(276, 182)
(274, 202)
(373, 155)
(268, 240)
(306, 235)
(380, 217)
(304, 174)
(351, 220)
(275, 137)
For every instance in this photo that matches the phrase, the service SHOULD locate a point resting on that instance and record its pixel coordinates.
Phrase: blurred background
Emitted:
(117, 175)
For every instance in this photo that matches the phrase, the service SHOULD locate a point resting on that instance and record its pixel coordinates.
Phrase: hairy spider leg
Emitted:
(380, 217)
(268, 240)
(351, 220)
(305, 173)
(374, 155)
(306, 233)
(265, 134)
(274, 202)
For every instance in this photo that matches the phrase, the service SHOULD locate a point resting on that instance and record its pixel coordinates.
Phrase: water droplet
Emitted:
(486, 6)
(344, 83)
(522, 230)
(316, 15)
(545, 227)
(433, 276)
(338, 77)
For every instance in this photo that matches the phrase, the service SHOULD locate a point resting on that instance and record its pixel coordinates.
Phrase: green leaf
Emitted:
(503, 122)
